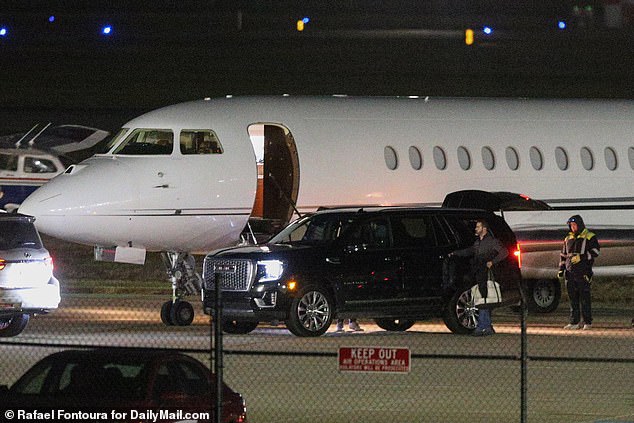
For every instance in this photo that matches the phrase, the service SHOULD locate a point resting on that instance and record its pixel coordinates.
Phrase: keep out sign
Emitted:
(374, 359)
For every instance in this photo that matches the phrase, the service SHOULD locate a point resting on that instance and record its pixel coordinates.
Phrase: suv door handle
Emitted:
(333, 260)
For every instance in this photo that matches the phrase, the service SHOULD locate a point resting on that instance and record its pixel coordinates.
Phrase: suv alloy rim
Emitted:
(313, 311)
(465, 310)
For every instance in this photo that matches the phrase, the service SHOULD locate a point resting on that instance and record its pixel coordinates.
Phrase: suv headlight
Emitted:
(270, 270)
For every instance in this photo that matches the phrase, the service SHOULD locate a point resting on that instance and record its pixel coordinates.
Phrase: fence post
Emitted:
(218, 365)
(523, 359)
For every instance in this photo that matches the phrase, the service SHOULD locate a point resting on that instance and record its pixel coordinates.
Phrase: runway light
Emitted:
(106, 30)
(487, 30)
(301, 24)
(51, 18)
(468, 37)
(561, 24)
(3, 32)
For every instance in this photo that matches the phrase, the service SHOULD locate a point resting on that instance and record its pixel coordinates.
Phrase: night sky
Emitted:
(65, 69)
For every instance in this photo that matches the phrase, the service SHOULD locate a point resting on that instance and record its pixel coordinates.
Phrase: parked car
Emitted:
(380, 263)
(130, 381)
(27, 283)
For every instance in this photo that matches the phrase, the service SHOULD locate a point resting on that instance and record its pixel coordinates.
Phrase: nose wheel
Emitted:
(181, 271)
(177, 313)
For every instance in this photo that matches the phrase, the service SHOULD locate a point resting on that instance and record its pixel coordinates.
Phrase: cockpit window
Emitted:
(8, 162)
(38, 165)
(195, 141)
(113, 141)
(147, 142)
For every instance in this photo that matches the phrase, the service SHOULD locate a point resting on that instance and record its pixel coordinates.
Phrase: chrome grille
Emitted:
(235, 274)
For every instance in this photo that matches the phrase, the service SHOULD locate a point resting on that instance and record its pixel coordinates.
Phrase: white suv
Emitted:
(27, 284)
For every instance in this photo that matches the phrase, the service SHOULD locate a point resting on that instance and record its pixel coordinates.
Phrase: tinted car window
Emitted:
(372, 233)
(194, 380)
(443, 234)
(18, 234)
(412, 231)
(83, 378)
(462, 229)
(314, 229)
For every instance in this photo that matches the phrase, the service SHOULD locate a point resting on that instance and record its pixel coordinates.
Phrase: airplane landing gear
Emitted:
(181, 270)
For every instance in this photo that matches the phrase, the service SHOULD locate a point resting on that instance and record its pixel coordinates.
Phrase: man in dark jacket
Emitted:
(580, 249)
(486, 252)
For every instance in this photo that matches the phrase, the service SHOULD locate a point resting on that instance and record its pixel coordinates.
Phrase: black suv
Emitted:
(389, 264)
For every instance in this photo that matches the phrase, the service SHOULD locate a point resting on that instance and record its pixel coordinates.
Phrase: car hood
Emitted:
(267, 250)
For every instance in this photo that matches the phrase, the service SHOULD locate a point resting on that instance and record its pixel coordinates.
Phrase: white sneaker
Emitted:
(571, 326)
(354, 326)
(587, 327)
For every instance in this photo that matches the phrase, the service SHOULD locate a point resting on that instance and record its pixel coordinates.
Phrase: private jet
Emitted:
(189, 178)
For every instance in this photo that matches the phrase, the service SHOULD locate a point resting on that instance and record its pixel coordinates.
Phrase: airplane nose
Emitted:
(45, 203)
(62, 205)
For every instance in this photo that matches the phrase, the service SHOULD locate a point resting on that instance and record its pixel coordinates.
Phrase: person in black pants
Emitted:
(580, 249)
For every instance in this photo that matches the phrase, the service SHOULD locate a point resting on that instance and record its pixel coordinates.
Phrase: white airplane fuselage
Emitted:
(353, 151)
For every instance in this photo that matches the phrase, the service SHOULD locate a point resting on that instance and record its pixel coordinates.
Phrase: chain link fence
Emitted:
(571, 376)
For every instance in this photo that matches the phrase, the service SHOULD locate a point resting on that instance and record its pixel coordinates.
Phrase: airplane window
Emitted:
(630, 156)
(488, 159)
(610, 158)
(391, 159)
(537, 160)
(440, 158)
(113, 141)
(8, 162)
(561, 157)
(512, 158)
(587, 159)
(194, 141)
(464, 158)
(147, 142)
(415, 158)
(38, 165)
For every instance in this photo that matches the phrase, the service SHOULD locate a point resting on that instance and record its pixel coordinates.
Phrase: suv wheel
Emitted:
(394, 325)
(12, 326)
(460, 315)
(543, 295)
(237, 327)
(311, 313)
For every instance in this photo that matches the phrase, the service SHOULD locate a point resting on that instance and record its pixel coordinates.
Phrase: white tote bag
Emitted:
(494, 296)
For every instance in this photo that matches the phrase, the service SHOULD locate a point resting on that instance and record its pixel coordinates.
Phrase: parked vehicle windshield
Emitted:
(18, 234)
(314, 229)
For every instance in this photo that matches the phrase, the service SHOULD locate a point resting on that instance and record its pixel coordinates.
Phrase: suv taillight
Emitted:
(518, 254)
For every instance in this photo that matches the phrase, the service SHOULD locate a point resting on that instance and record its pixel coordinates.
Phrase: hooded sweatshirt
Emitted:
(583, 243)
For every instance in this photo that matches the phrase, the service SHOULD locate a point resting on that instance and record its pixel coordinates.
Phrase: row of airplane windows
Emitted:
(512, 156)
